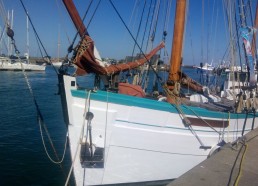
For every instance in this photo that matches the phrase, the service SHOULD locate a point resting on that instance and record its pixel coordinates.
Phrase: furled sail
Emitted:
(86, 61)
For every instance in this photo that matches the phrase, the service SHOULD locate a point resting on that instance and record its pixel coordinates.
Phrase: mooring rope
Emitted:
(10, 33)
(45, 148)
(87, 103)
(105, 139)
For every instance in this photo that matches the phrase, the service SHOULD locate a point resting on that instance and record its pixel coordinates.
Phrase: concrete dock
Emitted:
(234, 164)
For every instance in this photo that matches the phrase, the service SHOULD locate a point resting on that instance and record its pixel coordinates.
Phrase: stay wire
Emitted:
(152, 18)
(3, 13)
(40, 116)
(159, 78)
(40, 50)
(238, 45)
(156, 22)
(146, 24)
(41, 120)
(62, 21)
(93, 13)
(144, 80)
(139, 27)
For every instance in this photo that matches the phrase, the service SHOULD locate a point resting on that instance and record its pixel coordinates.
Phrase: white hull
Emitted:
(21, 66)
(57, 64)
(206, 67)
(141, 143)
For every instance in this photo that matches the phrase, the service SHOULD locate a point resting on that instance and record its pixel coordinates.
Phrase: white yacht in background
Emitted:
(9, 64)
(206, 67)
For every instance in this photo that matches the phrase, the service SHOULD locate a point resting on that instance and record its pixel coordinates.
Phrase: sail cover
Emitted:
(87, 63)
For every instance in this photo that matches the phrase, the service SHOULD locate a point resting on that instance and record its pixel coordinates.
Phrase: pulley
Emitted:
(89, 116)
(10, 32)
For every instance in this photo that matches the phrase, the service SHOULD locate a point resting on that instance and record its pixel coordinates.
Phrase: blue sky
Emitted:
(205, 38)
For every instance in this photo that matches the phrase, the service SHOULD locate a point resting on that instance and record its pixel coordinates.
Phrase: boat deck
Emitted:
(233, 165)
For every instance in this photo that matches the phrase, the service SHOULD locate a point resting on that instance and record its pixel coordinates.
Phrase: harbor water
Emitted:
(23, 159)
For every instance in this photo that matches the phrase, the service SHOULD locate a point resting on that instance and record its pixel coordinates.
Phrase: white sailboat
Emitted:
(206, 67)
(123, 137)
(10, 64)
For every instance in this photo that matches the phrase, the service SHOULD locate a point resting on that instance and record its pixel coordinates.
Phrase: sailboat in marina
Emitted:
(119, 135)
(13, 63)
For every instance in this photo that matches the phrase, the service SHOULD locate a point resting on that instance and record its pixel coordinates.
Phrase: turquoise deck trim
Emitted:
(154, 104)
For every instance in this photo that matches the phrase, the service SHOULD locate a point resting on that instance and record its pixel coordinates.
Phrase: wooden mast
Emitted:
(177, 45)
(75, 17)
(175, 74)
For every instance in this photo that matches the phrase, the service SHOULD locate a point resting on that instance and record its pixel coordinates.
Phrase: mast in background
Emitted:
(10, 23)
(58, 44)
(27, 35)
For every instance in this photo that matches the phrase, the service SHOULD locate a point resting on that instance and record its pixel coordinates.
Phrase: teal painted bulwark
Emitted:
(154, 104)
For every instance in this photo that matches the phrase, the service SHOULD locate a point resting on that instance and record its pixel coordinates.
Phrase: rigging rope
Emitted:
(144, 79)
(159, 78)
(3, 13)
(44, 144)
(177, 101)
(146, 25)
(105, 139)
(62, 19)
(40, 116)
(168, 92)
(141, 81)
(41, 122)
(86, 109)
(151, 25)
(191, 40)
(238, 45)
(93, 14)
(139, 26)
(165, 28)
(157, 10)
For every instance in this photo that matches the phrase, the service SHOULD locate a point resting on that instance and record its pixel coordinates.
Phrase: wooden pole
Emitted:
(177, 45)
(75, 17)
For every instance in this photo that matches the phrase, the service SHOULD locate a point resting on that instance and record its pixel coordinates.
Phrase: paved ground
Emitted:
(232, 165)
